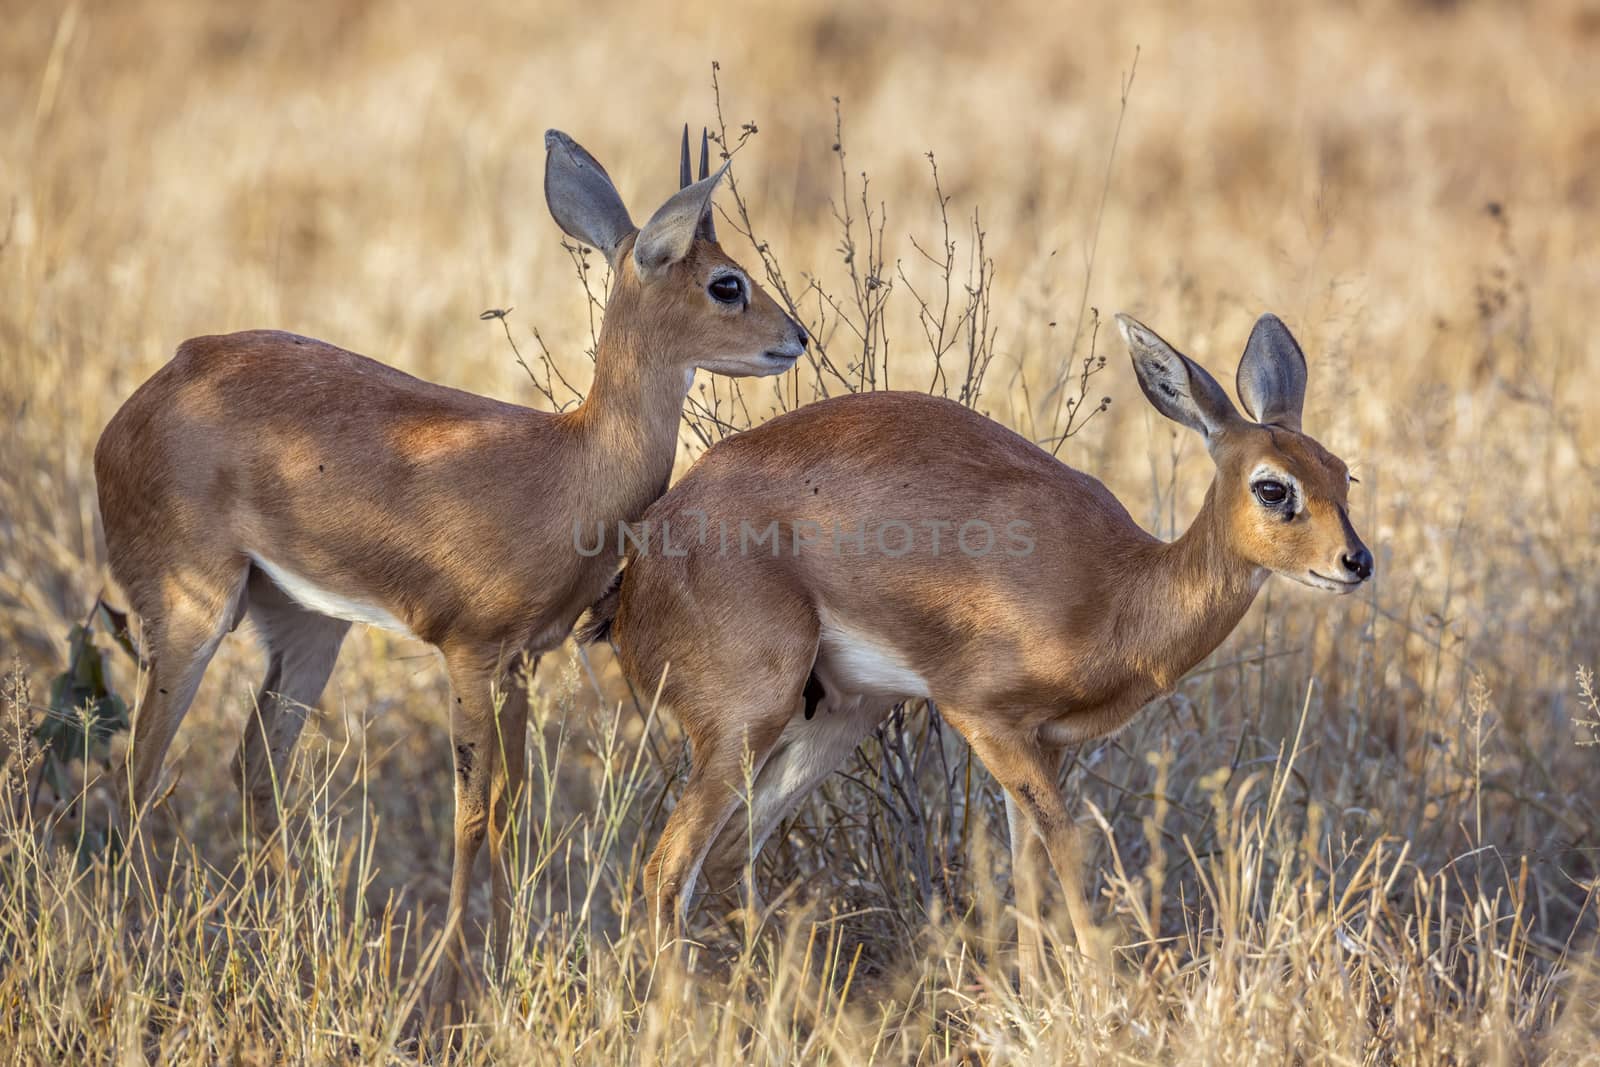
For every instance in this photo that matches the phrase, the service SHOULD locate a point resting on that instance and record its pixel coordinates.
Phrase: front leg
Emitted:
(1027, 770)
(1026, 869)
(510, 744)
(488, 738)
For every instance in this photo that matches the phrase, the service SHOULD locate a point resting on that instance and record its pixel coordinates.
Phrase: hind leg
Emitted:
(302, 647)
(185, 616)
(731, 740)
(711, 797)
(808, 752)
(732, 679)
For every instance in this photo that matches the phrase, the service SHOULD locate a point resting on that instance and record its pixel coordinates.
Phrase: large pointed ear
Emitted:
(666, 238)
(1272, 374)
(581, 197)
(1178, 386)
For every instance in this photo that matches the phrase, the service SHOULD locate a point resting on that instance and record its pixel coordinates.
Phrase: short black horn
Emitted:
(705, 156)
(683, 161)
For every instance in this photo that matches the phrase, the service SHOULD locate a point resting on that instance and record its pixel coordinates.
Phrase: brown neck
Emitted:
(1190, 594)
(628, 422)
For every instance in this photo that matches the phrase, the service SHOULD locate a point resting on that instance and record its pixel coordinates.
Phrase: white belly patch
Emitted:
(324, 602)
(852, 662)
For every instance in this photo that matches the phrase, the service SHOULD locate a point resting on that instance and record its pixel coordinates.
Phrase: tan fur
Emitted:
(452, 514)
(1023, 653)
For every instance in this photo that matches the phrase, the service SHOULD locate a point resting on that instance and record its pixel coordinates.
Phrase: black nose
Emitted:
(800, 332)
(1358, 563)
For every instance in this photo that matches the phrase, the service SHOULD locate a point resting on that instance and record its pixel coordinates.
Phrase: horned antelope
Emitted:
(279, 478)
(780, 653)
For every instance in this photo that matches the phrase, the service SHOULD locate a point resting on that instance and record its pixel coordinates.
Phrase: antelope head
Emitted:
(1284, 498)
(692, 304)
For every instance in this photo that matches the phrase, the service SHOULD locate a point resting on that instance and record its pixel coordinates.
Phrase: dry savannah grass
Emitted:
(1365, 830)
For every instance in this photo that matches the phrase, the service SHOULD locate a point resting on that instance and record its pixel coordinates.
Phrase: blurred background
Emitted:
(1413, 186)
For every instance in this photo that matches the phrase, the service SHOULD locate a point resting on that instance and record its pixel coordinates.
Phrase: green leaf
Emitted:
(116, 627)
(84, 713)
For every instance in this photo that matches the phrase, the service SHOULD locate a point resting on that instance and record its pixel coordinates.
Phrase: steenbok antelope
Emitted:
(273, 476)
(809, 574)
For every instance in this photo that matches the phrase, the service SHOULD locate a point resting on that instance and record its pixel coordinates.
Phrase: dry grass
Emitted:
(1365, 831)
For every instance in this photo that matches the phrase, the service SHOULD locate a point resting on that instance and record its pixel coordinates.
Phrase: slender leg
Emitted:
(511, 763)
(1025, 860)
(181, 635)
(808, 752)
(733, 703)
(1027, 771)
(709, 800)
(487, 708)
(302, 647)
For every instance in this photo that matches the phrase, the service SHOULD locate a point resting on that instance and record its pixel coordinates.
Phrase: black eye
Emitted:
(1272, 494)
(728, 289)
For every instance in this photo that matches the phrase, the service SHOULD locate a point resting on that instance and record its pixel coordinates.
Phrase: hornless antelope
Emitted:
(278, 477)
(923, 551)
